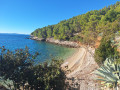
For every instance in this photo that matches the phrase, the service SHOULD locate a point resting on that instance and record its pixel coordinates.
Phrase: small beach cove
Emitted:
(79, 66)
(80, 62)
(79, 69)
(47, 50)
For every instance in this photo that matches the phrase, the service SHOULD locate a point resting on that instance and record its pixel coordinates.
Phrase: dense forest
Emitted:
(80, 27)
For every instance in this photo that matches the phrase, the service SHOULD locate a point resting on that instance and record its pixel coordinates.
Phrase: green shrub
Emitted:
(19, 68)
(104, 51)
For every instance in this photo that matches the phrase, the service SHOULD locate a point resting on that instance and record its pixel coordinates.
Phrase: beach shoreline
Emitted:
(80, 66)
(69, 58)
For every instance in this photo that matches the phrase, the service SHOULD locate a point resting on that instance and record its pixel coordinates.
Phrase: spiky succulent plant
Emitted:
(109, 73)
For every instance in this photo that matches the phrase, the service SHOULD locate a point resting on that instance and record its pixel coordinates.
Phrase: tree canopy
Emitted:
(93, 22)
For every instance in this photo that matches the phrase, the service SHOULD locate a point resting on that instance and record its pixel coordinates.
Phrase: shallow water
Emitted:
(46, 50)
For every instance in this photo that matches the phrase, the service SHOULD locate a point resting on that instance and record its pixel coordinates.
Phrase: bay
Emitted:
(47, 50)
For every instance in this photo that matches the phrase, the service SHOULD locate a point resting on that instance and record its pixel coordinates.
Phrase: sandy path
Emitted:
(81, 65)
(74, 59)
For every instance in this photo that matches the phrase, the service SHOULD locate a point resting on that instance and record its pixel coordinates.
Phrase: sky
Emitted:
(24, 16)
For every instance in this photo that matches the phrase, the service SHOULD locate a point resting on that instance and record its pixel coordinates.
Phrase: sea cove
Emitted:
(46, 50)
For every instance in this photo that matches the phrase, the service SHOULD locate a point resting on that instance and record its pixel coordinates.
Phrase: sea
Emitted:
(46, 50)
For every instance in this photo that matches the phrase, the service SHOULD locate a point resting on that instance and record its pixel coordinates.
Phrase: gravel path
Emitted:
(79, 70)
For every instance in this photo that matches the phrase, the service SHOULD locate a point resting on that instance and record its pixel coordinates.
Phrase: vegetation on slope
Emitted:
(104, 51)
(81, 27)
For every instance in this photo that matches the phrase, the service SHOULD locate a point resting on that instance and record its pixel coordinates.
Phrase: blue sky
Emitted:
(24, 16)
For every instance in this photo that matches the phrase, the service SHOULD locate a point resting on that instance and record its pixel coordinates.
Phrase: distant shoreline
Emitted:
(14, 34)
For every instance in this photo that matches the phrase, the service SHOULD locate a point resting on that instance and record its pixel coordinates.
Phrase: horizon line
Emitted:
(15, 33)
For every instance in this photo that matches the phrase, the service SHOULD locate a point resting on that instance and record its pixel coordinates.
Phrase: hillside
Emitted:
(79, 28)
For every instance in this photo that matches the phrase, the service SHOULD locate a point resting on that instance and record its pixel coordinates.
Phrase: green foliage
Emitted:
(48, 76)
(15, 66)
(109, 73)
(6, 83)
(104, 51)
(76, 38)
(110, 16)
(93, 22)
(19, 69)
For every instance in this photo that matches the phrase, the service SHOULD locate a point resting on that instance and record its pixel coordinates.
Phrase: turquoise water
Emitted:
(46, 50)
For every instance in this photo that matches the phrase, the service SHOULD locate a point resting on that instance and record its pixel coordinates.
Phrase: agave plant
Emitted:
(6, 83)
(109, 73)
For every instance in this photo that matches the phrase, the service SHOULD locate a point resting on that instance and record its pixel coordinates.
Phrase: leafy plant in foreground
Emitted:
(15, 66)
(19, 68)
(109, 73)
(48, 76)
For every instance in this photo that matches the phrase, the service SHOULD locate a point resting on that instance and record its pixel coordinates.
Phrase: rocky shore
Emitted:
(36, 38)
(56, 41)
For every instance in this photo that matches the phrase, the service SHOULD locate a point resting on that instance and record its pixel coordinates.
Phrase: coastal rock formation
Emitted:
(36, 38)
(66, 43)
(56, 41)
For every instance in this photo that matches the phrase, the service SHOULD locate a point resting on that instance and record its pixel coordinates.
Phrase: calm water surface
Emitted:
(47, 50)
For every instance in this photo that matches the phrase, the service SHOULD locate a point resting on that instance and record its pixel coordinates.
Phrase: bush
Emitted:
(19, 68)
(104, 51)
(48, 76)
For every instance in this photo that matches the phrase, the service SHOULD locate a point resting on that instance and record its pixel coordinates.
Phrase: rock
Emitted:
(64, 43)
(38, 39)
(56, 41)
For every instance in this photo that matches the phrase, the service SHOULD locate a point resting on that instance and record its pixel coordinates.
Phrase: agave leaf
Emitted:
(110, 72)
(107, 75)
(101, 79)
